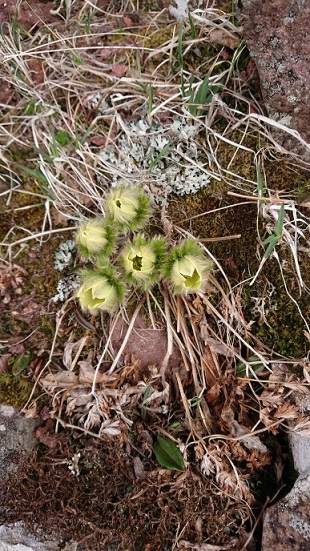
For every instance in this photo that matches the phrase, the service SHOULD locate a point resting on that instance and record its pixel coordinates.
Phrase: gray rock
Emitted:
(17, 441)
(16, 438)
(300, 443)
(278, 37)
(16, 538)
(300, 446)
(287, 523)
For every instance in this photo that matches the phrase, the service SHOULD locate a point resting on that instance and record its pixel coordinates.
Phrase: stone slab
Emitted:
(287, 523)
(16, 438)
(277, 34)
(15, 537)
(300, 446)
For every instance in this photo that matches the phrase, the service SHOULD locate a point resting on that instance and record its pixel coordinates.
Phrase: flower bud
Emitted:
(141, 260)
(128, 207)
(95, 237)
(100, 291)
(187, 268)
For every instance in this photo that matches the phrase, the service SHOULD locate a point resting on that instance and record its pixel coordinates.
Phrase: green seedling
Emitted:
(20, 363)
(63, 138)
(274, 238)
(179, 66)
(271, 241)
(194, 402)
(44, 155)
(201, 97)
(175, 425)
(192, 34)
(150, 92)
(154, 161)
(147, 394)
(243, 369)
(31, 108)
(85, 135)
(17, 71)
(36, 173)
(75, 58)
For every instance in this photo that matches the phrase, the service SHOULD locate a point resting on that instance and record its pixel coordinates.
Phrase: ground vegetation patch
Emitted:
(163, 422)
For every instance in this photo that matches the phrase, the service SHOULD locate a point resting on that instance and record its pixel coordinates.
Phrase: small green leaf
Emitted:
(242, 369)
(148, 392)
(195, 401)
(175, 425)
(75, 58)
(154, 161)
(63, 137)
(36, 173)
(180, 49)
(203, 96)
(20, 363)
(168, 454)
(192, 27)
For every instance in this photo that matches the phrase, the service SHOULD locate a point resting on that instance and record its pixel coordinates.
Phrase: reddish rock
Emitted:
(277, 33)
(149, 347)
(29, 14)
(287, 524)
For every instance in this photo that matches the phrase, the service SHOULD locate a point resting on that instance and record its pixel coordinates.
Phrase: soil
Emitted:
(118, 496)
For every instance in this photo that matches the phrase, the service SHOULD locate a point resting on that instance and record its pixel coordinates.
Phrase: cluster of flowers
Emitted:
(134, 259)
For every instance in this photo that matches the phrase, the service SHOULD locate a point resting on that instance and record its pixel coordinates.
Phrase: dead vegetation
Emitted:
(104, 92)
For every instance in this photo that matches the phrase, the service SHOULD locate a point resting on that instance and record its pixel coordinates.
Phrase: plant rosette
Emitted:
(95, 237)
(129, 208)
(187, 269)
(141, 260)
(100, 290)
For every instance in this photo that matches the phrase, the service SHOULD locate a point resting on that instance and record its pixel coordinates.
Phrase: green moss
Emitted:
(279, 326)
(36, 258)
(277, 321)
(14, 390)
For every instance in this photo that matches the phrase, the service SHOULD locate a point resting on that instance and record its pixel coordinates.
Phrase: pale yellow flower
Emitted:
(188, 273)
(128, 207)
(187, 268)
(139, 261)
(92, 236)
(98, 293)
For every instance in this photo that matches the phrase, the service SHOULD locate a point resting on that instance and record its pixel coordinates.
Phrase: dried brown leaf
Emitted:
(87, 374)
(251, 442)
(224, 38)
(62, 379)
(70, 349)
(138, 468)
(183, 545)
